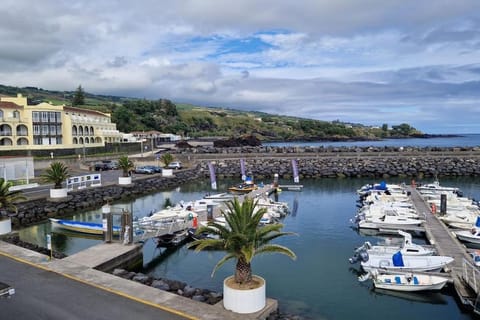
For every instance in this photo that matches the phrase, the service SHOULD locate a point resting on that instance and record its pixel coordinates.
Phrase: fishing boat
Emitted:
(410, 282)
(91, 228)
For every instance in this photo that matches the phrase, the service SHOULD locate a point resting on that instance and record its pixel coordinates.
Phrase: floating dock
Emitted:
(465, 275)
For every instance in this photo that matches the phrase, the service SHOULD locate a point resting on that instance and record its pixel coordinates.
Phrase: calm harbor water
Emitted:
(320, 284)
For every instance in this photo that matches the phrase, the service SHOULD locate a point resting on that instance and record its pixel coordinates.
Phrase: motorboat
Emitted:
(400, 262)
(471, 236)
(407, 247)
(84, 227)
(388, 220)
(410, 281)
(435, 188)
(172, 239)
(243, 188)
(220, 197)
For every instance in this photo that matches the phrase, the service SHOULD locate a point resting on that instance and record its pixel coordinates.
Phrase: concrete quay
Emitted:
(83, 266)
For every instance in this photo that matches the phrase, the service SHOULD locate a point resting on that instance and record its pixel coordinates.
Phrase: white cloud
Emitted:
(371, 61)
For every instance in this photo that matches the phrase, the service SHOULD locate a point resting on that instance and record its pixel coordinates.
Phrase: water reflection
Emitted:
(423, 297)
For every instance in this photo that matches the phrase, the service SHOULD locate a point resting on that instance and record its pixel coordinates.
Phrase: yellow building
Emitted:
(45, 126)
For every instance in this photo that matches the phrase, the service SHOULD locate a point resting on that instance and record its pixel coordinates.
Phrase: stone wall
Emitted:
(341, 167)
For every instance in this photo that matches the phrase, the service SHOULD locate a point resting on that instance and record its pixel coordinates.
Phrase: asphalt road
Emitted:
(41, 294)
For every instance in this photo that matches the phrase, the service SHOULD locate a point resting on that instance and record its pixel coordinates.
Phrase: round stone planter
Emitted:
(5, 225)
(124, 180)
(244, 300)
(58, 193)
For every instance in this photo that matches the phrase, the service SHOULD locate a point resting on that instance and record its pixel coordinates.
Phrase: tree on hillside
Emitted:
(79, 97)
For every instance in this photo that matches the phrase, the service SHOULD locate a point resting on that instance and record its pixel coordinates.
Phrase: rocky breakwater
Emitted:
(34, 211)
(382, 163)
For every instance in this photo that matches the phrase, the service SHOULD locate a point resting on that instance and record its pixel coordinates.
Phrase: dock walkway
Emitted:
(447, 244)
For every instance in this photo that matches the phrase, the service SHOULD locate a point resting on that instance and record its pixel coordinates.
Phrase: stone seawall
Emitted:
(263, 167)
(354, 167)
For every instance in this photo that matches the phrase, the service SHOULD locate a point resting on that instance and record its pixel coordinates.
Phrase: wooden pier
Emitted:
(465, 275)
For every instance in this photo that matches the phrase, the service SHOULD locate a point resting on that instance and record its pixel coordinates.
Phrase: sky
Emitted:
(370, 61)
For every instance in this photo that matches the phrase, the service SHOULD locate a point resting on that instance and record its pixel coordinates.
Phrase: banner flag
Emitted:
(296, 178)
(242, 169)
(213, 180)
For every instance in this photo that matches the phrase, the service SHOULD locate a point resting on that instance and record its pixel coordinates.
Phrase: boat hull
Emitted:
(403, 283)
(466, 236)
(410, 263)
(81, 226)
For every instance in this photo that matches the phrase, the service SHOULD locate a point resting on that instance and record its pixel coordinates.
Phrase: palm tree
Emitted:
(126, 165)
(8, 198)
(242, 238)
(56, 174)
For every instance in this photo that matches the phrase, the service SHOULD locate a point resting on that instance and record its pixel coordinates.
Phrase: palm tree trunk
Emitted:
(243, 271)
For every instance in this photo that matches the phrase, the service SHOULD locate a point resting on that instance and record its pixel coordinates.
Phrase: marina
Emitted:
(324, 228)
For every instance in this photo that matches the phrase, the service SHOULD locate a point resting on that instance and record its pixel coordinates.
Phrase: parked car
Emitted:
(175, 165)
(100, 166)
(144, 170)
(155, 169)
(6, 290)
(106, 165)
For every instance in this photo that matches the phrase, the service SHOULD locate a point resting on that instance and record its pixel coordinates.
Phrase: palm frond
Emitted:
(221, 262)
(276, 248)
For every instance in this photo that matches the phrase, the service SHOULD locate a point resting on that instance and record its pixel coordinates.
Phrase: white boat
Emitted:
(406, 281)
(219, 197)
(471, 236)
(389, 221)
(407, 247)
(399, 262)
(435, 187)
(85, 227)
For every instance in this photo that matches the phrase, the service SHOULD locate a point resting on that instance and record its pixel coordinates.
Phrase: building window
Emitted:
(5, 130)
(36, 116)
(44, 116)
(5, 142)
(22, 142)
(22, 130)
(37, 129)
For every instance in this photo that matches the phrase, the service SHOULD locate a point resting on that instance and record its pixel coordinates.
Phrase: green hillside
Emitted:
(195, 121)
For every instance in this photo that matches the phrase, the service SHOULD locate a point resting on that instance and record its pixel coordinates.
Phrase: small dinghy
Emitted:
(405, 282)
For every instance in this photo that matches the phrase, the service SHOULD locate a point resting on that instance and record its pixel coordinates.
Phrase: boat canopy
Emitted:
(397, 259)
